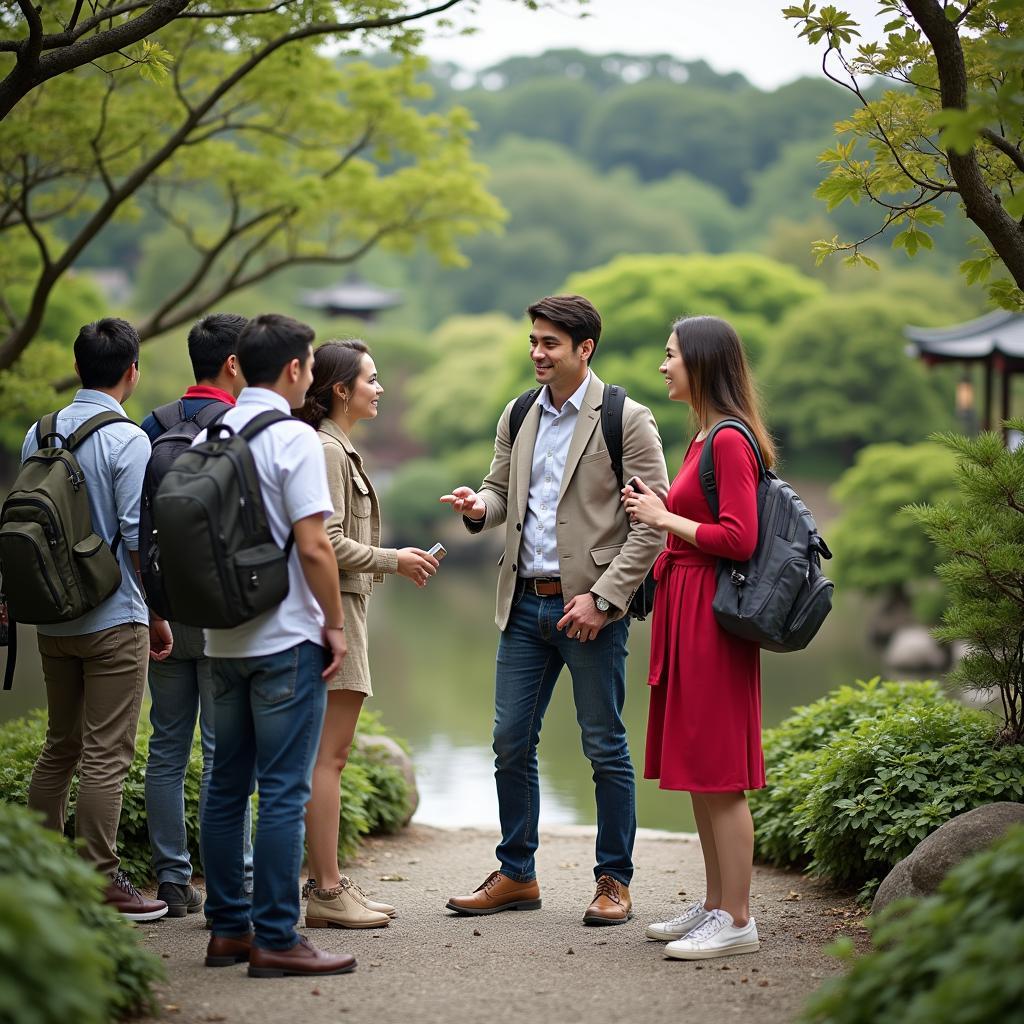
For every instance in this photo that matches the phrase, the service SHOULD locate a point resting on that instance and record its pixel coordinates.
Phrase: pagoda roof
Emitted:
(353, 294)
(997, 333)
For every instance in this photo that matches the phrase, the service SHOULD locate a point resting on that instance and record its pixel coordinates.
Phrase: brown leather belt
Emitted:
(544, 586)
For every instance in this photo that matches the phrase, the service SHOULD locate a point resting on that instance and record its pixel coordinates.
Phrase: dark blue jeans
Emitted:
(181, 689)
(531, 654)
(268, 714)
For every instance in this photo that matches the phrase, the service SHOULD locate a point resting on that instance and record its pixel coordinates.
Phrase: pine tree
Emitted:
(982, 536)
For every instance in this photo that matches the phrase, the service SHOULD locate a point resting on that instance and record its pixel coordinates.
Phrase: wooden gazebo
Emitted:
(995, 340)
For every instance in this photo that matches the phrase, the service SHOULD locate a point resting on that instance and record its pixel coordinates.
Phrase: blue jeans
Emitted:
(181, 689)
(268, 714)
(531, 654)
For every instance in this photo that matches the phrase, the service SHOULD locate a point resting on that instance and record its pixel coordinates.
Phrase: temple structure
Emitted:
(994, 341)
(353, 297)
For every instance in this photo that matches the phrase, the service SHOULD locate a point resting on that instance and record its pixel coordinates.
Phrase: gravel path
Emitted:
(543, 966)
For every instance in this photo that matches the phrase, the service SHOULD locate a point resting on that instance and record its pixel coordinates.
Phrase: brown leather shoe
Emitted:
(611, 904)
(129, 902)
(303, 958)
(228, 950)
(499, 892)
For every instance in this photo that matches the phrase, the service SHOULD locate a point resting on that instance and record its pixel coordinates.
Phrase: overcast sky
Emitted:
(749, 36)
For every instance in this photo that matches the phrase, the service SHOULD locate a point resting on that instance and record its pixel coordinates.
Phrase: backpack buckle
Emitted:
(737, 577)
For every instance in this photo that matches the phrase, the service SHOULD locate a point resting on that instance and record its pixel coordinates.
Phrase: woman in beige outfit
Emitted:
(346, 390)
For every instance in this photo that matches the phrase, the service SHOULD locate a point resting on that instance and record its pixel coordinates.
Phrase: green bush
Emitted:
(791, 750)
(374, 795)
(954, 957)
(857, 795)
(21, 740)
(67, 956)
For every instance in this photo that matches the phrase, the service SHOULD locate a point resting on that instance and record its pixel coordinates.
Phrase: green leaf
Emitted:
(1014, 205)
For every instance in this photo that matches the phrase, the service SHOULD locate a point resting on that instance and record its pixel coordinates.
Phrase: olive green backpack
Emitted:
(55, 566)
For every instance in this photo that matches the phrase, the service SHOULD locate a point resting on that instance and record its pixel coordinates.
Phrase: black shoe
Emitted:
(180, 899)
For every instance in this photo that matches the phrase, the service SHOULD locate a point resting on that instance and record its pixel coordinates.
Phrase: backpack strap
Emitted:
(611, 426)
(706, 467)
(210, 414)
(169, 415)
(519, 410)
(94, 423)
(46, 427)
(87, 429)
(260, 423)
(256, 426)
(12, 650)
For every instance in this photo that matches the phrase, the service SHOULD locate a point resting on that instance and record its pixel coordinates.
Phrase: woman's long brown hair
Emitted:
(720, 379)
(334, 362)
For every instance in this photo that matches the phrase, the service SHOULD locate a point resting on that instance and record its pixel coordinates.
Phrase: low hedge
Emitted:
(67, 956)
(792, 749)
(954, 957)
(857, 779)
(374, 794)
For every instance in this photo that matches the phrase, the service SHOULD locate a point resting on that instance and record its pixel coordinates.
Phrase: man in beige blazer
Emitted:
(572, 562)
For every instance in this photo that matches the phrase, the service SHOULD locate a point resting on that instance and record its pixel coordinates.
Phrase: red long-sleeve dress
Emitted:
(704, 724)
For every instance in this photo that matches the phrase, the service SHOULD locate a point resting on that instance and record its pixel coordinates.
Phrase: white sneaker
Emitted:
(665, 931)
(715, 936)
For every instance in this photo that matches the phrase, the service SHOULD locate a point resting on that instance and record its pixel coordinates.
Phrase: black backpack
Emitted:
(179, 431)
(219, 563)
(779, 597)
(612, 404)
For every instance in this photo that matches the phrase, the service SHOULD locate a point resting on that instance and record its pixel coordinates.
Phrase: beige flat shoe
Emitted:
(375, 905)
(341, 908)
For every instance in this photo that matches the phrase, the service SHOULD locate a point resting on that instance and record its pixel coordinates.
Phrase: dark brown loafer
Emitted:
(227, 950)
(498, 892)
(302, 959)
(611, 904)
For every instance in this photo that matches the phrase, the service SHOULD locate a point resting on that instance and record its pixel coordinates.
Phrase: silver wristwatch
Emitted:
(602, 603)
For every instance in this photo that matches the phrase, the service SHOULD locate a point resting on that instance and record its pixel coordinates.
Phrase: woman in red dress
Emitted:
(704, 727)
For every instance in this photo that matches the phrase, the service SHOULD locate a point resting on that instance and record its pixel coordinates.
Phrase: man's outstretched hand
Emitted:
(466, 502)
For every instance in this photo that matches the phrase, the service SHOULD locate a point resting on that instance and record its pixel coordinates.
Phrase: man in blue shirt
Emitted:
(94, 667)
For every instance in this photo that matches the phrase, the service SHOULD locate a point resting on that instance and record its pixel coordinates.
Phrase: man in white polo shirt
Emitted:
(268, 678)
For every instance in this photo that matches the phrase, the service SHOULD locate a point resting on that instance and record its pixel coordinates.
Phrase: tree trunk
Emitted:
(981, 204)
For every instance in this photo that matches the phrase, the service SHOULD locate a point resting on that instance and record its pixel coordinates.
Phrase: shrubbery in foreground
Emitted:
(857, 779)
(67, 956)
(374, 794)
(954, 957)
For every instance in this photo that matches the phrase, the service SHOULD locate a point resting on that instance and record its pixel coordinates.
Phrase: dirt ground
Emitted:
(543, 966)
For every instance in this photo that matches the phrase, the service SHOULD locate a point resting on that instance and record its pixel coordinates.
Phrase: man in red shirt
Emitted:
(181, 687)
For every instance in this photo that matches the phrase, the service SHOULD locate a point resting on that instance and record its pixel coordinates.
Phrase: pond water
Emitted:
(432, 657)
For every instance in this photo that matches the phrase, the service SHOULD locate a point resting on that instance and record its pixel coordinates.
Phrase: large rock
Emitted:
(935, 856)
(384, 748)
(914, 649)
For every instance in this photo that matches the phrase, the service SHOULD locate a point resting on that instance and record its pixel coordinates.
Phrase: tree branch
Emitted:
(15, 343)
(1004, 146)
(239, 13)
(33, 67)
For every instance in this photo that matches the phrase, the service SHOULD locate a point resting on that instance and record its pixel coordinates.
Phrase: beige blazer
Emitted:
(598, 549)
(354, 529)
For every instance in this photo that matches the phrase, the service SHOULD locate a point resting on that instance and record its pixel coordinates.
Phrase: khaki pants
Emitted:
(94, 686)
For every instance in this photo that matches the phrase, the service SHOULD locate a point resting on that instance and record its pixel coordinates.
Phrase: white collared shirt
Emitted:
(538, 553)
(293, 481)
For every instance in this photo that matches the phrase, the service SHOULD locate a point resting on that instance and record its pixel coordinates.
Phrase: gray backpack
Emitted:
(779, 597)
(218, 561)
(55, 566)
